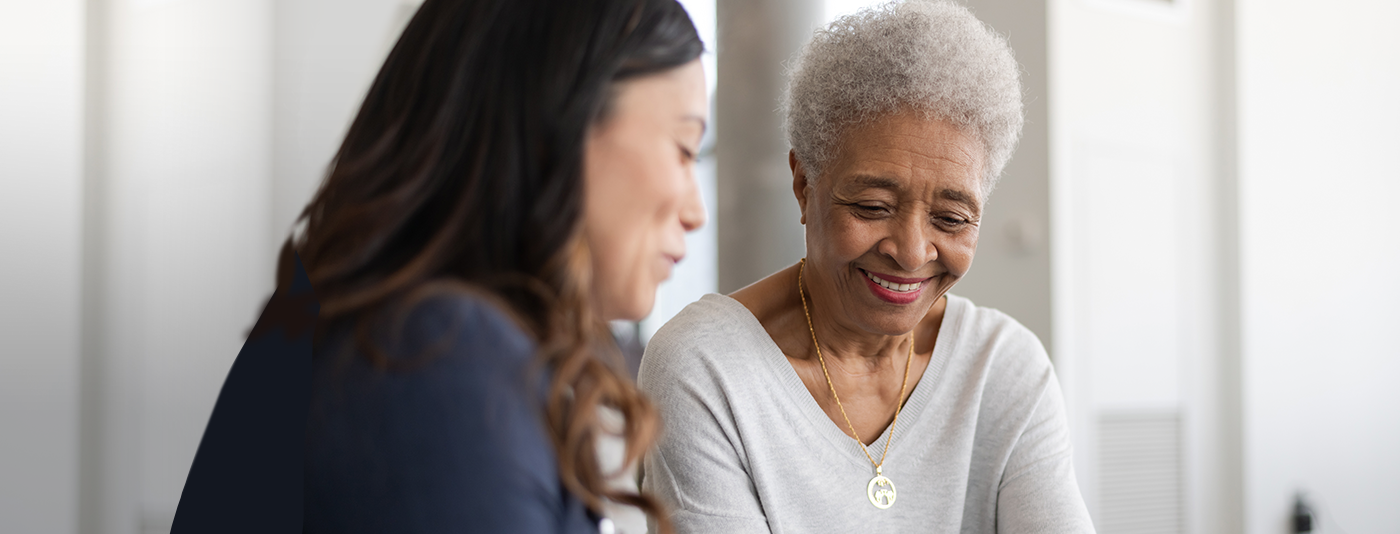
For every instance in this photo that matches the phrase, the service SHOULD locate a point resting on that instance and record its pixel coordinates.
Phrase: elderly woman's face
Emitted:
(893, 222)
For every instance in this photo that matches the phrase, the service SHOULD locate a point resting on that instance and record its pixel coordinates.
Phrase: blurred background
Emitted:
(1199, 223)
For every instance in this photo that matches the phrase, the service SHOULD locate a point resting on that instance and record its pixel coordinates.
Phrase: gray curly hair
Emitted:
(929, 56)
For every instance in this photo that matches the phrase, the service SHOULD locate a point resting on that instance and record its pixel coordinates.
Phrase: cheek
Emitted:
(625, 223)
(957, 251)
(840, 236)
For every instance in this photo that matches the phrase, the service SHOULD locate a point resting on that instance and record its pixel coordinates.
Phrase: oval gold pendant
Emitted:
(880, 490)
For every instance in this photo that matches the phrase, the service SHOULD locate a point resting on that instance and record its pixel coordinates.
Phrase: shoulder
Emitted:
(992, 343)
(454, 347)
(460, 320)
(713, 336)
(988, 330)
(455, 344)
(452, 335)
(714, 316)
(426, 441)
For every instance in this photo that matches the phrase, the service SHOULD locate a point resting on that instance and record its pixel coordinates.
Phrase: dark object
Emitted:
(247, 472)
(1302, 516)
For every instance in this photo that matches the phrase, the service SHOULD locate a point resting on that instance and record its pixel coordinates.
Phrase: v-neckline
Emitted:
(943, 347)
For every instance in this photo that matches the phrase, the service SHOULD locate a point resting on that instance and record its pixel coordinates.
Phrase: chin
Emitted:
(896, 323)
(635, 309)
(632, 316)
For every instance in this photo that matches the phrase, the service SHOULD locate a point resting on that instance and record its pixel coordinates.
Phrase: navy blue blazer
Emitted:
(454, 442)
(449, 438)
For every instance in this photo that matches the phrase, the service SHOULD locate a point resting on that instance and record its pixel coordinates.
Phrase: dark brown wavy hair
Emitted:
(463, 170)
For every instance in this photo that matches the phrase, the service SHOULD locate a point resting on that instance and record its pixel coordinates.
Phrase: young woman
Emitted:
(520, 172)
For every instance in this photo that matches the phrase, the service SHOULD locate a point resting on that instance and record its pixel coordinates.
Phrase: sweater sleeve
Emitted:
(697, 468)
(1038, 492)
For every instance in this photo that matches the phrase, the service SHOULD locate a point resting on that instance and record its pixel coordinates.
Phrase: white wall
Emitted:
(185, 262)
(326, 53)
(1136, 187)
(1319, 180)
(1191, 277)
(217, 121)
(41, 176)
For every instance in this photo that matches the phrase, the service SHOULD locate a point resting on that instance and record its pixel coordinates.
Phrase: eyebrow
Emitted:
(868, 181)
(956, 195)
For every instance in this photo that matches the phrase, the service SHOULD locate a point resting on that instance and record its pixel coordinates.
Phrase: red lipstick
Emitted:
(892, 296)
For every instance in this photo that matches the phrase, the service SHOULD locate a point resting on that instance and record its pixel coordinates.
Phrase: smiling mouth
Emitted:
(898, 288)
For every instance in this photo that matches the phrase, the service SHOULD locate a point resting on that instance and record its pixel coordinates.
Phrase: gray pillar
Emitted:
(1012, 268)
(758, 223)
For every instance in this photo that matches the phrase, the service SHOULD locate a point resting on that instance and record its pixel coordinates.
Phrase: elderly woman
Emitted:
(850, 392)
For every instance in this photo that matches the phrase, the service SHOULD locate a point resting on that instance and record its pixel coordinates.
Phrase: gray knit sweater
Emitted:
(981, 446)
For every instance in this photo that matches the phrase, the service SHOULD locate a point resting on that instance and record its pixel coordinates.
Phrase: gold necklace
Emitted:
(880, 490)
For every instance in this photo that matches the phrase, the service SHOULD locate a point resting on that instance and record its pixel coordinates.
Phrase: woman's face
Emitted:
(639, 185)
(893, 223)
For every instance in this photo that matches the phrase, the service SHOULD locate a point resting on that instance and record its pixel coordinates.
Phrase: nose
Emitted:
(692, 211)
(910, 244)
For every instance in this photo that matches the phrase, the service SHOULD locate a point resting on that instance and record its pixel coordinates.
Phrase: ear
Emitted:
(800, 186)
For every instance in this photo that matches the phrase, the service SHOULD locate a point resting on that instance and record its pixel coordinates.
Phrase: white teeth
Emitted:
(904, 288)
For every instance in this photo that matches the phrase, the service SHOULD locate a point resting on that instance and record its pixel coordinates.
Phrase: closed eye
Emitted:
(871, 209)
(951, 223)
(687, 154)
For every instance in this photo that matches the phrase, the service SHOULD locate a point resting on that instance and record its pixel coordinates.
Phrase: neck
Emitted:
(852, 347)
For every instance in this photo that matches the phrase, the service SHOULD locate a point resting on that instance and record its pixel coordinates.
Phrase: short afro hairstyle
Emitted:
(929, 56)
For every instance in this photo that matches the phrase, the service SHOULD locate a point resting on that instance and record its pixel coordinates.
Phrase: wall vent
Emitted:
(1140, 473)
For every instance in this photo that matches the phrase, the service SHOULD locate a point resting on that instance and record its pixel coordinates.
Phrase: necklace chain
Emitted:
(899, 405)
